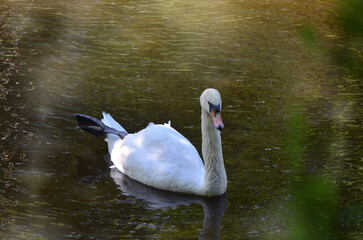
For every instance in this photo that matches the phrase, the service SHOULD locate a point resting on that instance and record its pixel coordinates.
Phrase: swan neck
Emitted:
(215, 179)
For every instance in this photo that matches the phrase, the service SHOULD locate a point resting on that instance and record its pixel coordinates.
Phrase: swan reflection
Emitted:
(213, 208)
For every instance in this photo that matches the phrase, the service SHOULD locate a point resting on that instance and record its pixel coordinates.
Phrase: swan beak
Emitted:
(217, 120)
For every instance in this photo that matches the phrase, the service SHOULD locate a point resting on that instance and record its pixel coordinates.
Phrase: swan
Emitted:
(160, 157)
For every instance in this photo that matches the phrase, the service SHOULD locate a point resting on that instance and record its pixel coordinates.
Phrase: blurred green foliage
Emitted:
(351, 17)
(349, 54)
(295, 139)
(313, 202)
(309, 38)
(316, 209)
(346, 48)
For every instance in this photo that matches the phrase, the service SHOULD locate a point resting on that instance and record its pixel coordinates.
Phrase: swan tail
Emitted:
(96, 127)
(112, 139)
(109, 121)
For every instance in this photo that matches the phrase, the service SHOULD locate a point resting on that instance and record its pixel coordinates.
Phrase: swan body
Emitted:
(161, 157)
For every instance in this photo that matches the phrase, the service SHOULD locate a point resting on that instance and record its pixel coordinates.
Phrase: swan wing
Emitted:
(161, 157)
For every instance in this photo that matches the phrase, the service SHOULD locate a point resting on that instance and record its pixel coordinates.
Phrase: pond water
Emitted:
(149, 61)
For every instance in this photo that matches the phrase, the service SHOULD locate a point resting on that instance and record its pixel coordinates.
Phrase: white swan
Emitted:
(161, 157)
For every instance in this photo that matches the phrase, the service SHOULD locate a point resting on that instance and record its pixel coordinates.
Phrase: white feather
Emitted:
(109, 121)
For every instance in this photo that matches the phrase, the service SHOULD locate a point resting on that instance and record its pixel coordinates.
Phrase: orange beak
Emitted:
(217, 120)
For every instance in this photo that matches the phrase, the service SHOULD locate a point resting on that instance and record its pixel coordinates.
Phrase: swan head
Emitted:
(211, 102)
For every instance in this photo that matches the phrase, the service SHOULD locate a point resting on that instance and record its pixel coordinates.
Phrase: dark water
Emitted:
(148, 61)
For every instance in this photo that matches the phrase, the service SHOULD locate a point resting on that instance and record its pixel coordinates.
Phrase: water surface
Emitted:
(148, 61)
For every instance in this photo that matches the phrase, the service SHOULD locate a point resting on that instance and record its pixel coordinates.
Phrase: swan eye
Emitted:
(216, 108)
